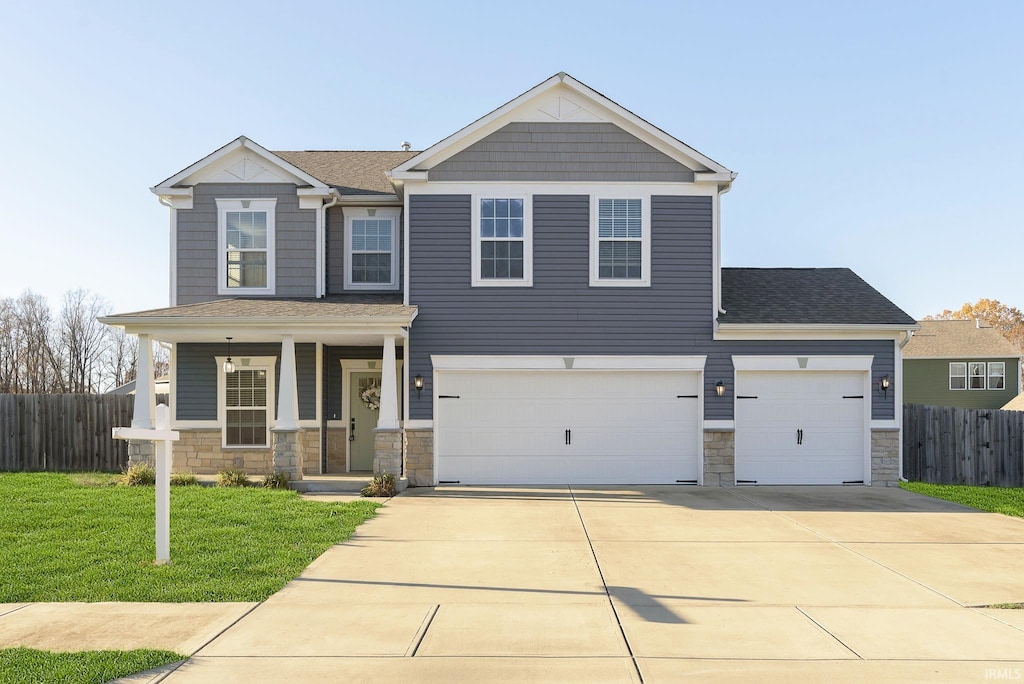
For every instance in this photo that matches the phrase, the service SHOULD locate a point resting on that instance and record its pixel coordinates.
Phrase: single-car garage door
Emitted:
(805, 427)
(567, 426)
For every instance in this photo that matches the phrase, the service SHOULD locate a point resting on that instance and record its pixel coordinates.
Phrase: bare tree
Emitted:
(81, 341)
(33, 342)
(121, 358)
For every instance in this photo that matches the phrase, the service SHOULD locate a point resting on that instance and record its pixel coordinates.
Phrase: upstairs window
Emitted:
(502, 242)
(620, 242)
(958, 376)
(245, 236)
(976, 373)
(371, 249)
(996, 375)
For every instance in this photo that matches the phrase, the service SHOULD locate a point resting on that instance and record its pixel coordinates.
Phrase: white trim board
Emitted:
(802, 363)
(492, 363)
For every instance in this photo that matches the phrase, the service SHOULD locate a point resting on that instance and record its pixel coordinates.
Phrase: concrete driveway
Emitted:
(649, 584)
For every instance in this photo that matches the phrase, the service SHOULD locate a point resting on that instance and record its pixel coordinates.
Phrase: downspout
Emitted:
(906, 339)
(172, 251)
(322, 246)
(722, 189)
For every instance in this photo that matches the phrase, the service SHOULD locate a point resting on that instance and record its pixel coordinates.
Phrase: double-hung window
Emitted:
(976, 375)
(371, 249)
(620, 242)
(996, 375)
(958, 375)
(502, 241)
(246, 399)
(245, 239)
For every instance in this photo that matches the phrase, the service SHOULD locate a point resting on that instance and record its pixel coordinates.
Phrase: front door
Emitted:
(364, 401)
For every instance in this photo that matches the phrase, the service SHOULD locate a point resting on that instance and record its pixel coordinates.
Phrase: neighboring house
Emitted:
(960, 363)
(1015, 404)
(161, 385)
(537, 298)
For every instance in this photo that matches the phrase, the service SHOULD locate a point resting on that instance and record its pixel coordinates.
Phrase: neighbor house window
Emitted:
(246, 400)
(976, 373)
(996, 375)
(958, 376)
(502, 241)
(245, 236)
(620, 242)
(371, 249)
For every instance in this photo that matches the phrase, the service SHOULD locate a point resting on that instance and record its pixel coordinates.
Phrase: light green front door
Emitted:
(363, 420)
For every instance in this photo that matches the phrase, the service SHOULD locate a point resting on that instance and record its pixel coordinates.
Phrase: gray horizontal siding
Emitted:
(561, 313)
(295, 241)
(719, 367)
(197, 369)
(336, 252)
(584, 152)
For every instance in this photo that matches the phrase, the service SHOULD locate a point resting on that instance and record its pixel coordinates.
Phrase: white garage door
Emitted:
(567, 427)
(800, 428)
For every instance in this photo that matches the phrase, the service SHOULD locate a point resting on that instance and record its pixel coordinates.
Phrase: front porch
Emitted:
(306, 387)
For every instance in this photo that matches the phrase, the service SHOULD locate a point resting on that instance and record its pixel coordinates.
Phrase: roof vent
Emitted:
(406, 146)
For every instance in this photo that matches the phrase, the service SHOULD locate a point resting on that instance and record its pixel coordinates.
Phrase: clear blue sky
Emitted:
(887, 137)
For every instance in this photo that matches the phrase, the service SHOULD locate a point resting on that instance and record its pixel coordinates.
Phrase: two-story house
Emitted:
(537, 298)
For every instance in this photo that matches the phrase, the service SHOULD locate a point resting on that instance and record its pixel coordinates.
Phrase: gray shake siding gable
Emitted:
(197, 241)
(563, 152)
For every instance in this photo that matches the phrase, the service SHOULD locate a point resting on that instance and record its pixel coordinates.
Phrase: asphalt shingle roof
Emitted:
(958, 339)
(348, 306)
(805, 296)
(351, 172)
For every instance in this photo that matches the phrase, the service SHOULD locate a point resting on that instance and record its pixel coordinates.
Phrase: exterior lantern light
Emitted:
(884, 384)
(418, 382)
(229, 365)
(720, 388)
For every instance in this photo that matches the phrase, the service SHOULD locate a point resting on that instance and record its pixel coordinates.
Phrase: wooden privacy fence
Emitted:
(64, 432)
(947, 445)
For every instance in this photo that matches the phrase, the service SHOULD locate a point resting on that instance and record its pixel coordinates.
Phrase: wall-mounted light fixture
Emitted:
(418, 383)
(884, 384)
(720, 388)
(229, 365)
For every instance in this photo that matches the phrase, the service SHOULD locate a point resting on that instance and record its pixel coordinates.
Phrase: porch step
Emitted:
(331, 483)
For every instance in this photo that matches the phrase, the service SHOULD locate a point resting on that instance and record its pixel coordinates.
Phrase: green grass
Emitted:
(29, 666)
(1005, 500)
(74, 538)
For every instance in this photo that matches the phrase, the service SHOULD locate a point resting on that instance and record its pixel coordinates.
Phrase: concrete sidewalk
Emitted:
(620, 584)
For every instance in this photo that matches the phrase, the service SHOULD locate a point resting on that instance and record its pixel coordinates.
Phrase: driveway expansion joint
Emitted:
(826, 631)
(421, 633)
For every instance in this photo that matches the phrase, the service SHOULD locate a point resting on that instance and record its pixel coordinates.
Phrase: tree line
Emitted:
(67, 350)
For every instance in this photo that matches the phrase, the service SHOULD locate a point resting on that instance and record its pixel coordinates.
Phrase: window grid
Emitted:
(502, 239)
(997, 375)
(620, 239)
(246, 242)
(372, 250)
(245, 403)
(958, 376)
(976, 374)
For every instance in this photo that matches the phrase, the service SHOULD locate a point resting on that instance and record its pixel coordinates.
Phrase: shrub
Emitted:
(137, 475)
(232, 478)
(382, 485)
(278, 479)
(184, 479)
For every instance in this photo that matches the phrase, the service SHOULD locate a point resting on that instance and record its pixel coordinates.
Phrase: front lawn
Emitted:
(1005, 500)
(27, 665)
(75, 538)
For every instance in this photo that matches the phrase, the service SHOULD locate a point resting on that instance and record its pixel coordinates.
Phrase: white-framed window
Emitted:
(976, 375)
(958, 375)
(245, 242)
(371, 248)
(245, 402)
(996, 375)
(502, 240)
(620, 241)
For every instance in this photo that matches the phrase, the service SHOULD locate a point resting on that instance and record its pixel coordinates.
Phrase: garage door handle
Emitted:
(799, 436)
(568, 436)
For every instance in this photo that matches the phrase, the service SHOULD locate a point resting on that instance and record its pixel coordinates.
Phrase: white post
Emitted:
(145, 394)
(288, 393)
(387, 418)
(163, 488)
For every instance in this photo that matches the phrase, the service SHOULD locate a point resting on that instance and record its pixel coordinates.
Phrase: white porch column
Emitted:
(287, 393)
(387, 418)
(145, 392)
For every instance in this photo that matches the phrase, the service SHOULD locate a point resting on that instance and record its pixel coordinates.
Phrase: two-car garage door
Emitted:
(567, 426)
